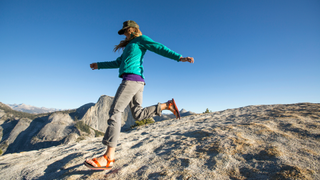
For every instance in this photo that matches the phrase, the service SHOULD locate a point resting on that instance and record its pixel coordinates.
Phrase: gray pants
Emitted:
(128, 93)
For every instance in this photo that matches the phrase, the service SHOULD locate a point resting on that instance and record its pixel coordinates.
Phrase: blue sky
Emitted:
(246, 52)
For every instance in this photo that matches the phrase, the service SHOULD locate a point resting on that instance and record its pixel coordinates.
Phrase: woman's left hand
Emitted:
(94, 66)
(187, 59)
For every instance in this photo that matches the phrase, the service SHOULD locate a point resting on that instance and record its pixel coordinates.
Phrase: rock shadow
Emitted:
(287, 127)
(142, 170)
(7, 127)
(56, 170)
(167, 148)
(198, 134)
(23, 140)
(183, 162)
(137, 145)
(155, 175)
(263, 165)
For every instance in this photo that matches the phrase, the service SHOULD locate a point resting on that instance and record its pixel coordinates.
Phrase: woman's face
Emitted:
(128, 32)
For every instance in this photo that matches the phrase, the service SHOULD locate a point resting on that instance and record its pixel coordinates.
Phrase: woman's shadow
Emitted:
(56, 170)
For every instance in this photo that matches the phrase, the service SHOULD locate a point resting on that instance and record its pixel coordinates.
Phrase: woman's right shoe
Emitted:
(171, 105)
(107, 167)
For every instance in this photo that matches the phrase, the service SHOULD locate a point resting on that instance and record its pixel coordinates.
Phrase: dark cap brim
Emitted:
(120, 32)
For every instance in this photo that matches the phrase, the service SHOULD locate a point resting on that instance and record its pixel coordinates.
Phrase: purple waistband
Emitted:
(132, 77)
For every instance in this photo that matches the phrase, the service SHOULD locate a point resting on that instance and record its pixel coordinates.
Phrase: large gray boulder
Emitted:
(21, 126)
(98, 115)
(59, 126)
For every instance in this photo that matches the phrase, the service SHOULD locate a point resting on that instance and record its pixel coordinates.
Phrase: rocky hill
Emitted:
(253, 142)
(97, 115)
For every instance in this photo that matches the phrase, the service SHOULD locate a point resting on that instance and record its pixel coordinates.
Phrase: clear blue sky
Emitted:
(246, 52)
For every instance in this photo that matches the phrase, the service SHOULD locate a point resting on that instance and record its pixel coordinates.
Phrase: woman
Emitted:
(131, 89)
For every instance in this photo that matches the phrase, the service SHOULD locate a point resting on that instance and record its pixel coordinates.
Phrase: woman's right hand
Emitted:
(187, 59)
(94, 66)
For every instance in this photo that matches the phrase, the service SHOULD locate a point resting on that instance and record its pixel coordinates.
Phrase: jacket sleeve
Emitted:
(110, 64)
(159, 48)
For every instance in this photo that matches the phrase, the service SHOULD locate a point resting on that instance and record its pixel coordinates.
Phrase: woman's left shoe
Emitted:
(107, 167)
(171, 105)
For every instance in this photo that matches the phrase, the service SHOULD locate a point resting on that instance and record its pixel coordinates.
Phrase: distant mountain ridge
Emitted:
(164, 116)
(32, 109)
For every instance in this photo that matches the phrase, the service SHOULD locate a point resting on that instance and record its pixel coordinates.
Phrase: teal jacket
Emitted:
(131, 59)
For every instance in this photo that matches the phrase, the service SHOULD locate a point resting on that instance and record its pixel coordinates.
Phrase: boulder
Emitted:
(98, 115)
(60, 126)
